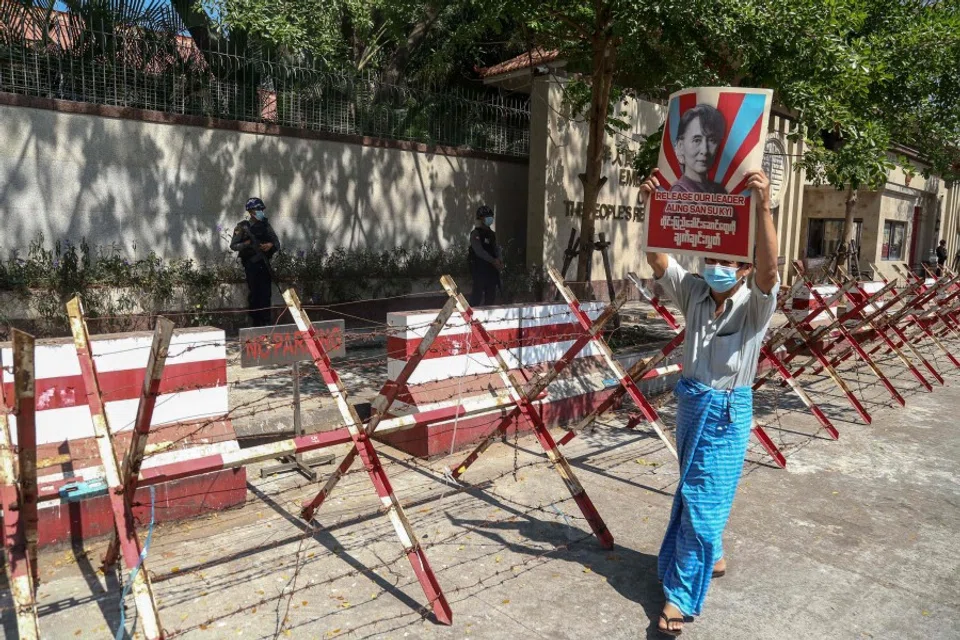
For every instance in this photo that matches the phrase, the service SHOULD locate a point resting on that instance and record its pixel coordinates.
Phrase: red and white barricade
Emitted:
(805, 301)
(531, 339)
(190, 417)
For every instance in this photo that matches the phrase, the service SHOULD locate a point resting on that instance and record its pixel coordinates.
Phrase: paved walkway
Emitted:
(857, 539)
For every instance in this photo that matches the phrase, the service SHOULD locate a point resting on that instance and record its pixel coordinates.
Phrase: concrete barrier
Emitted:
(191, 419)
(533, 337)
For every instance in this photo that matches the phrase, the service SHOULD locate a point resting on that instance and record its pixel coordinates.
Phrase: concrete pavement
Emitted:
(856, 539)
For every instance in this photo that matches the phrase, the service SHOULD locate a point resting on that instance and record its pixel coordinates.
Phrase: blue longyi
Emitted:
(713, 428)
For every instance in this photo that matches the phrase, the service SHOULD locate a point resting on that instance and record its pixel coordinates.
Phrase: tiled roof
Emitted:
(523, 61)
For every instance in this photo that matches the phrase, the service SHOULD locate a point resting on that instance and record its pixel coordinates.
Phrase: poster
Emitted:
(712, 137)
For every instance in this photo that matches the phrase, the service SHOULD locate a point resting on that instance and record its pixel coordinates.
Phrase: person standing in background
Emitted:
(941, 257)
(256, 242)
(484, 258)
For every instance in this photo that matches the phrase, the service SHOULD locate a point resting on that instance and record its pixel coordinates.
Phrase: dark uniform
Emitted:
(486, 278)
(941, 259)
(256, 267)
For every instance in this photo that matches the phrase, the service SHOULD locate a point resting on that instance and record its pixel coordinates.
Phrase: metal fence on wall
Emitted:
(130, 67)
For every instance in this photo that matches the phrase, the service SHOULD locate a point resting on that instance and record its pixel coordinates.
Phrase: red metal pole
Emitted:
(533, 389)
(380, 406)
(130, 472)
(368, 455)
(560, 462)
(122, 512)
(24, 385)
(19, 568)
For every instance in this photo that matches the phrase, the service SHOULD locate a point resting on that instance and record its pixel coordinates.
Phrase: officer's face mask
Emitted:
(719, 277)
(260, 215)
(488, 221)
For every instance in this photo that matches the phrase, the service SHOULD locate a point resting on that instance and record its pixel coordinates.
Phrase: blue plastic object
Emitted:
(121, 629)
(84, 490)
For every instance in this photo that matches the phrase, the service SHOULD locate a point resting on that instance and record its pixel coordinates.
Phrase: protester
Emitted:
(941, 257)
(256, 242)
(727, 312)
(699, 133)
(484, 258)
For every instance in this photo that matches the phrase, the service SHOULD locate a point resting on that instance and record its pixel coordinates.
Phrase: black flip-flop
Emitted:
(668, 631)
(719, 574)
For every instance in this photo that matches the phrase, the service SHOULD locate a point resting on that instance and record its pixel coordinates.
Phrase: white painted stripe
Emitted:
(559, 390)
(825, 290)
(121, 354)
(822, 317)
(494, 319)
(450, 367)
(225, 448)
(73, 423)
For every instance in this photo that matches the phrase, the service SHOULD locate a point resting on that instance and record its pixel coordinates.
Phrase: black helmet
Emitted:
(483, 211)
(255, 204)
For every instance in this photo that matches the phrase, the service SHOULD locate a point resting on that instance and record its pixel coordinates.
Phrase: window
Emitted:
(824, 235)
(894, 237)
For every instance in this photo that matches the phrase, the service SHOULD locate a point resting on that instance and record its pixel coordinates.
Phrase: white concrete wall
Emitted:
(558, 150)
(145, 185)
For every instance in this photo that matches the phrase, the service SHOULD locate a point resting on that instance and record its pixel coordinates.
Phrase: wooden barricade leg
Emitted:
(526, 407)
(783, 335)
(625, 381)
(130, 472)
(637, 372)
(380, 406)
(892, 322)
(368, 455)
(907, 362)
(877, 319)
(654, 302)
(924, 330)
(25, 391)
(122, 512)
(20, 571)
(799, 390)
(533, 389)
(855, 344)
(910, 308)
(180, 469)
(904, 340)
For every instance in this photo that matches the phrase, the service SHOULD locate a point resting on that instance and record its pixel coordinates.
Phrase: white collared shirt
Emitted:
(720, 351)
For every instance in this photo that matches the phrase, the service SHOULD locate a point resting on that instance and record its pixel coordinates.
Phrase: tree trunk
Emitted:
(395, 66)
(604, 61)
(843, 251)
(198, 25)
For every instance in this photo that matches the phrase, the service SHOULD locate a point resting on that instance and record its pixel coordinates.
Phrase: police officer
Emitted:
(485, 263)
(256, 242)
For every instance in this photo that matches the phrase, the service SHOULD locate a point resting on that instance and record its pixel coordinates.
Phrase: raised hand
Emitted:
(649, 185)
(760, 183)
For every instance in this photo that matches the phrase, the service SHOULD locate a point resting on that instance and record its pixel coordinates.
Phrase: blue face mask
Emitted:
(488, 221)
(720, 278)
(260, 215)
